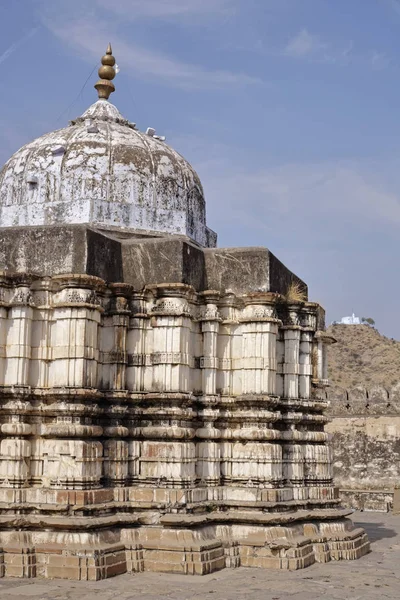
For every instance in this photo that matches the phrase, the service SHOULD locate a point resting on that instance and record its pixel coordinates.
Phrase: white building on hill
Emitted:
(353, 320)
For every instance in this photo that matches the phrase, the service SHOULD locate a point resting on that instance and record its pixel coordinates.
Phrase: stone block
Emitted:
(167, 259)
(247, 270)
(54, 250)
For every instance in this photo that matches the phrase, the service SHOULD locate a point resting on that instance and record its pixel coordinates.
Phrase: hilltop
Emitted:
(362, 356)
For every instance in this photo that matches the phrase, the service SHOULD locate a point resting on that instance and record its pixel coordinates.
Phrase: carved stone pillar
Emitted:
(305, 366)
(119, 313)
(139, 345)
(227, 329)
(116, 455)
(171, 323)
(260, 327)
(3, 338)
(42, 353)
(19, 334)
(77, 310)
(292, 352)
(208, 451)
(280, 363)
(210, 319)
(15, 453)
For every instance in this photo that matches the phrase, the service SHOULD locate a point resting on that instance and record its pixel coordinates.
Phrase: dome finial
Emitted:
(104, 86)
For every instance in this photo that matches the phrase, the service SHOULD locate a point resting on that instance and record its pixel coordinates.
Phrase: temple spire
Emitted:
(104, 86)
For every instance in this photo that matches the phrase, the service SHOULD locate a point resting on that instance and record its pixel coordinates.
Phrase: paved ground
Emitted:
(373, 577)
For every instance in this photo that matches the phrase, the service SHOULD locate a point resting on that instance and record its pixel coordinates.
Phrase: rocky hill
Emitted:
(362, 356)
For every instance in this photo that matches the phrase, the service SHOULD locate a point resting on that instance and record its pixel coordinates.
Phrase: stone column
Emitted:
(227, 328)
(15, 453)
(260, 327)
(42, 353)
(305, 367)
(210, 319)
(116, 456)
(291, 365)
(119, 312)
(208, 455)
(171, 323)
(208, 452)
(280, 363)
(292, 352)
(19, 335)
(4, 295)
(77, 315)
(139, 345)
(168, 454)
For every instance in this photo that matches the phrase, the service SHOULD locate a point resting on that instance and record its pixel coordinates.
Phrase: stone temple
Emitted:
(161, 399)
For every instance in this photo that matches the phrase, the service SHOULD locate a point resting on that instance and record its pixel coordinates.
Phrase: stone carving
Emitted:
(205, 446)
(151, 425)
(210, 313)
(171, 307)
(22, 297)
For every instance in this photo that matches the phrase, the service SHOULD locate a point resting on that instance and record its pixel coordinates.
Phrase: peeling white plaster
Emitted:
(109, 175)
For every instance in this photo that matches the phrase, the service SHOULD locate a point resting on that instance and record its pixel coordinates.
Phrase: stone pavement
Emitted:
(373, 577)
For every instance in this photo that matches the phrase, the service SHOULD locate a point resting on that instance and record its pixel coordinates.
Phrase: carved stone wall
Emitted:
(365, 430)
(142, 425)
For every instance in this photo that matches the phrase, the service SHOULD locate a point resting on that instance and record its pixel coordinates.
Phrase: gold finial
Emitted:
(104, 86)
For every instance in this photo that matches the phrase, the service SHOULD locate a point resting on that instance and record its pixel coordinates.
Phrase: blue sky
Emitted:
(288, 109)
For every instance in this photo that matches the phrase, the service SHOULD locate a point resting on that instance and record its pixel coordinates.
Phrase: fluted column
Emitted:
(120, 320)
(260, 327)
(305, 366)
(171, 323)
(4, 293)
(210, 319)
(19, 334)
(167, 454)
(77, 315)
(42, 353)
(139, 345)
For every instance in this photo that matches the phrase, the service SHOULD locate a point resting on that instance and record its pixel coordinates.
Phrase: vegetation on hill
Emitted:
(362, 356)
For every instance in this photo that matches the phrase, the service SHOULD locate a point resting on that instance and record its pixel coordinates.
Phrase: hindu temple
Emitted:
(161, 399)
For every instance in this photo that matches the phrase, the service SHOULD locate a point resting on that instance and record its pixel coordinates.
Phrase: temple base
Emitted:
(203, 546)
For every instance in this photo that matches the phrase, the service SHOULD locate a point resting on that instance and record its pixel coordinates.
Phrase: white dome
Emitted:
(102, 171)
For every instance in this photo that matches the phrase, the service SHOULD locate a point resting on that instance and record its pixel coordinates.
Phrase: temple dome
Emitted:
(102, 171)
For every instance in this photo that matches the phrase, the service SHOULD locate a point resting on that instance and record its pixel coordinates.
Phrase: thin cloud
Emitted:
(379, 61)
(395, 4)
(310, 47)
(303, 44)
(87, 36)
(317, 195)
(166, 9)
(7, 53)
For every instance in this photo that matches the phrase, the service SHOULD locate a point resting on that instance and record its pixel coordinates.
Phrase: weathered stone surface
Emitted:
(102, 171)
(141, 261)
(55, 250)
(163, 260)
(365, 431)
(373, 577)
(132, 404)
(161, 402)
(245, 270)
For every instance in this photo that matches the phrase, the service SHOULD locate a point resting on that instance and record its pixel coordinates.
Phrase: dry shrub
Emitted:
(295, 292)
